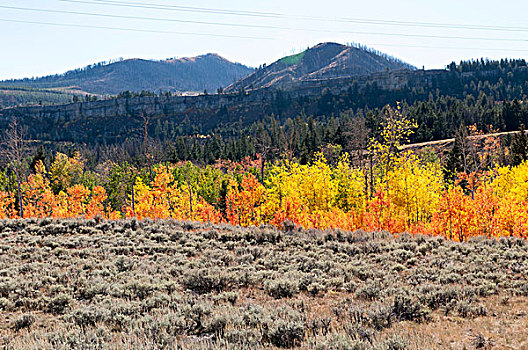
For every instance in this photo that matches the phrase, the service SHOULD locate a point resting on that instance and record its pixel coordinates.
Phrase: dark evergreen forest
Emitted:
(490, 94)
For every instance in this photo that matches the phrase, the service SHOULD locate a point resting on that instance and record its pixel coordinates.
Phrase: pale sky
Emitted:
(253, 32)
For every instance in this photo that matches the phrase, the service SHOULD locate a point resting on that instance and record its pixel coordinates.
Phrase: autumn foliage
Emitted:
(400, 192)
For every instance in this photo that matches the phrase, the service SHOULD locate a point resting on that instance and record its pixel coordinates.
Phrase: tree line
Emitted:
(479, 188)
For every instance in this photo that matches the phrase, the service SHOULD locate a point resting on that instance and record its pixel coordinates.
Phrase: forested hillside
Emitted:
(489, 94)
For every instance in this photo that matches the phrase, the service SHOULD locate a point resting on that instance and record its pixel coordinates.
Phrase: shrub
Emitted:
(315, 288)
(216, 325)
(339, 342)
(394, 343)
(205, 280)
(380, 316)
(288, 225)
(59, 304)
(151, 285)
(285, 334)
(406, 309)
(89, 316)
(369, 291)
(281, 287)
(6, 304)
(480, 342)
(123, 264)
(23, 321)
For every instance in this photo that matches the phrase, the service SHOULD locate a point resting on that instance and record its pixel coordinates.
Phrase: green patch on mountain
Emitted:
(293, 59)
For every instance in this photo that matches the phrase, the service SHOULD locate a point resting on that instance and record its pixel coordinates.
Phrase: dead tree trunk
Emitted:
(14, 150)
(146, 121)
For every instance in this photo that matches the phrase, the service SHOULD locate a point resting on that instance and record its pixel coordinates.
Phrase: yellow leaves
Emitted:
(321, 196)
(414, 188)
(407, 195)
(312, 185)
(40, 169)
(143, 200)
(396, 127)
(352, 190)
(512, 182)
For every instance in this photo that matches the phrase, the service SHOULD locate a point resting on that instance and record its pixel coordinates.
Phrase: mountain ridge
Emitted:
(204, 72)
(323, 61)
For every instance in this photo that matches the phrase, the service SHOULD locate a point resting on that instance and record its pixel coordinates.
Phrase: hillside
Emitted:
(176, 75)
(168, 284)
(11, 96)
(324, 61)
(485, 93)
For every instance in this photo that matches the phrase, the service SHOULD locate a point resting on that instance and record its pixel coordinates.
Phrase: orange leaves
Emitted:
(243, 206)
(512, 217)
(453, 215)
(166, 198)
(380, 213)
(7, 205)
(96, 205)
(205, 212)
(40, 201)
(486, 222)
(290, 208)
(77, 197)
(459, 216)
(409, 196)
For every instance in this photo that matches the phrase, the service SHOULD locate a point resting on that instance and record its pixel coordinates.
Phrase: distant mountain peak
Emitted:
(323, 61)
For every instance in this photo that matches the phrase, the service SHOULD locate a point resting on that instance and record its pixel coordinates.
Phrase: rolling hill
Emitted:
(323, 61)
(208, 72)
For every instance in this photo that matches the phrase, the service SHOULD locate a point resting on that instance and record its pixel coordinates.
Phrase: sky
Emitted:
(428, 34)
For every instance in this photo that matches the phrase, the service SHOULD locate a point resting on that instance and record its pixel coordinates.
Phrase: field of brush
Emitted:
(80, 284)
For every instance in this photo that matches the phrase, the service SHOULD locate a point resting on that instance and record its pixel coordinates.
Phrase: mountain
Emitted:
(477, 92)
(208, 72)
(226, 125)
(324, 61)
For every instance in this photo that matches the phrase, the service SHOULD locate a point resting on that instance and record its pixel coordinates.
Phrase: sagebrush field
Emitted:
(84, 284)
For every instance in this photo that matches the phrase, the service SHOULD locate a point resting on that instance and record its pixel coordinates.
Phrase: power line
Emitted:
(180, 8)
(430, 24)
(435, 36)
(281, 15)
(131, 29)
(143, 18)
(231, 36)
(450, 48)
(258, 26)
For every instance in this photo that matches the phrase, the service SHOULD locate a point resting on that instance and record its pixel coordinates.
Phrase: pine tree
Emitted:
(519, 147)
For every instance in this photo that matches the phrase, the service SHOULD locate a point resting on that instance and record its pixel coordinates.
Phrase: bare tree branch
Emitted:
(14, 151)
